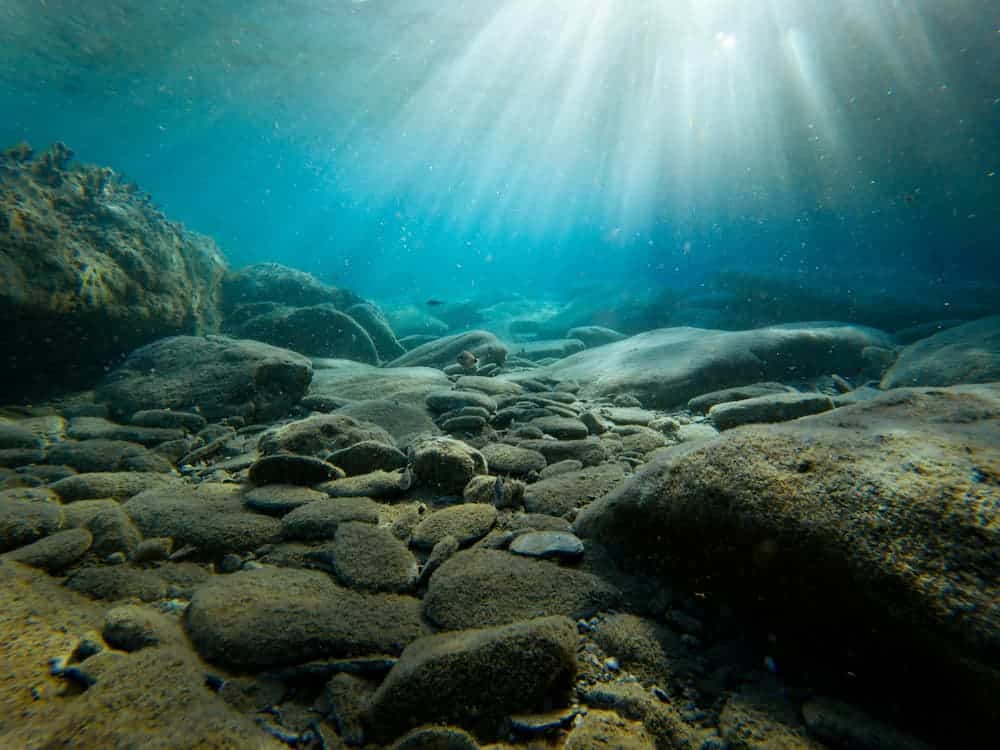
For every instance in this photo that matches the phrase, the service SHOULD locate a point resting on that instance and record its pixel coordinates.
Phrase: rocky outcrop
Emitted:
(275, 283)
(666, 367)
(316, 331)
(218, 376)
(882, 516)
(91, 270)
(969, 353)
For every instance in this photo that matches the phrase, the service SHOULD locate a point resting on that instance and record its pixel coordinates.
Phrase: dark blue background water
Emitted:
(451, 149)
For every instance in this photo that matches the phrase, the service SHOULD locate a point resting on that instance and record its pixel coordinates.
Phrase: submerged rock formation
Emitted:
(872, 529)
(91, 271)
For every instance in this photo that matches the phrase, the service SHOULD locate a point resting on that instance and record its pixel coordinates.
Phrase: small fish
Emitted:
(406, 479)
(432, 302)
(467, 360)
(498, 492)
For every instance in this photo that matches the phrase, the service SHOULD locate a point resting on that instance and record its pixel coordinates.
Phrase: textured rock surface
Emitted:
(157, 692)
(270, 617)
(666, 367)
(92, 270)
(442, 352)
(356, 381)
(777, 407)
(316, 331)
(476, 677)
(880, 512)
(222, 377)
(969, 353)
(210, 518)
(479, 588)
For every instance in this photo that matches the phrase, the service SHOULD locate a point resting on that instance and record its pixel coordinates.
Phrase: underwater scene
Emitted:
(499, 374)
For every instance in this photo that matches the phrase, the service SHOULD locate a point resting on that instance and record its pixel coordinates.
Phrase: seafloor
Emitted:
(245, 509)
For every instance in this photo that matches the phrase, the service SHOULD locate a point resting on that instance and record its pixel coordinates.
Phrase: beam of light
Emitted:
(545, 120)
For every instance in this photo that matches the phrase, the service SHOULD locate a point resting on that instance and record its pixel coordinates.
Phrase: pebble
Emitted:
(288, 468)
(558, 545)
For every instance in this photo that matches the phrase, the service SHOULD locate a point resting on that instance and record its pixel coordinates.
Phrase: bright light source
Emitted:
(725, 39)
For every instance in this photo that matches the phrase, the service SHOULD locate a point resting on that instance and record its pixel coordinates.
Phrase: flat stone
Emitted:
(475, 678)
(701, 404)
(489, 386)
(92, 428)
(320, 435)
(14, 436)
(510, 459)
(467, 523)
(116, 582)
(593, 336)
(558, 495)
(555, 545)
(288, 468)
(442, 401)
(370, 558)
(380, 484)
(628, 415)
(210, 518)
(483, 587)
(55, 552)
(100, 455)
(589, 452)
(402, 421)
(119, 485)
(777, 407)
(463, 424)
(26, 516)
(560, 467)
(354, 381)
(272, 617)
(279, 499)
(367, 456)
(320, 520)
(167, 418)
(562, 428)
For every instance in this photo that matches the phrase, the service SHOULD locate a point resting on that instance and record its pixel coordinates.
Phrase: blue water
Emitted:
(464, 149)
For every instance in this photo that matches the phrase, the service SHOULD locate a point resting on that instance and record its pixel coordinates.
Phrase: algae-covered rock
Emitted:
(220, 376)
(274, 617)
(482, 587)
(666, 367)
(443, 352)
(317, 331)
(91, 271)
(882, 514)
(474, 678)
(273, 282)
(968, 353)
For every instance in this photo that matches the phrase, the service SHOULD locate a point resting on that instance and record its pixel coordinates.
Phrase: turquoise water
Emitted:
(452, 149)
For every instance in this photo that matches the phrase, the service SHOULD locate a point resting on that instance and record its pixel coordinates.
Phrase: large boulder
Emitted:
(881, 515)
(968, 353)
(374, 322)
(219, 376)
(317, 331)
(354, 381)
(666, 367)
(272, 617)
(475, 678)
(91, 270)
(443, 352)
(273, 282)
